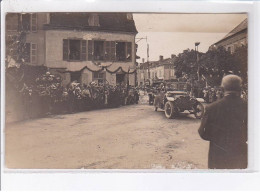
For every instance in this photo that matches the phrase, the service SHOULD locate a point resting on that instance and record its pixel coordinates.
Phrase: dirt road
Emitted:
(129, 137)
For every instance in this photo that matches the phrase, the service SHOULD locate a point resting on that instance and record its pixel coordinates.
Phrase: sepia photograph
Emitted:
(121, 90)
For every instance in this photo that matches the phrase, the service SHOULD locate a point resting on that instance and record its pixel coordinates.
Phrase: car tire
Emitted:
(169, 110)
(198, 110)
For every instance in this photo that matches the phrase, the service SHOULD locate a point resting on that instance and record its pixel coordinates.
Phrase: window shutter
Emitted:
(129, 51)
(33, 53)
(34, 22)
(113, 50)
(90, 50)
(107, 50)
(65, 49)
(83, 50)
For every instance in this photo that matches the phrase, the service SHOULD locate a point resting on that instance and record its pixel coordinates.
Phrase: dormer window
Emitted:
(93, 20)
(129, 16)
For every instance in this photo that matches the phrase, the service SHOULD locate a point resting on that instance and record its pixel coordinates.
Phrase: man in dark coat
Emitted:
(224, 124)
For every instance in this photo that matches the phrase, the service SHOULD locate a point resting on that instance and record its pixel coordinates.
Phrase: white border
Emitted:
(143, 179)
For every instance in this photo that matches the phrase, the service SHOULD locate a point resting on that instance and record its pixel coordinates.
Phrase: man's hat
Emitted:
(231, 83)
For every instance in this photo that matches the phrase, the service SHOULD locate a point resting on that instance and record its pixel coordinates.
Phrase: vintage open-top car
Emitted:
(176, 99)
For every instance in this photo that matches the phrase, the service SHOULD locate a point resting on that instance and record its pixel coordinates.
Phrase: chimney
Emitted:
(161, 57)
(173, 56)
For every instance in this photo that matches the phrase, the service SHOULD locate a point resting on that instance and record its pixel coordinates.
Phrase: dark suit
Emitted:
(224, 124)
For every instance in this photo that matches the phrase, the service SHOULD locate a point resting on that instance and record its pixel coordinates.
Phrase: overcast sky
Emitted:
(172, 33)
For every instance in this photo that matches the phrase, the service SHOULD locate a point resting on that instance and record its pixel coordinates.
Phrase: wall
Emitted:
(54, 51)
(167, 73)
(38, 38)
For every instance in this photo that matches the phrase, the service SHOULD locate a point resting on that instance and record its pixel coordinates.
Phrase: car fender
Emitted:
(201, 100)
(170, 99)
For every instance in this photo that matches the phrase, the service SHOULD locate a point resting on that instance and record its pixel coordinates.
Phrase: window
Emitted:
(99, 76)
(99, 50)
(74, 50)
(27, 53)
(93, 20)
(172, 72)
(230, 49)
(28, 22)
(123, 51)
(120, 51)
(30, 53)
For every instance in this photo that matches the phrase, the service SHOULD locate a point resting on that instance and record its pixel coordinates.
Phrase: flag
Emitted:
(147, 50)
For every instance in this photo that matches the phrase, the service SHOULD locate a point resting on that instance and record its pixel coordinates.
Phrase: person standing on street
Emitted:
(224, 125)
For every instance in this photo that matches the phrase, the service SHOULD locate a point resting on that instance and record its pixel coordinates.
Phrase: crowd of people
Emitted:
(212, 94)
(48, 96)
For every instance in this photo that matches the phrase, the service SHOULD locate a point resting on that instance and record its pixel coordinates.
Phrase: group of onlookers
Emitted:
(48, 96)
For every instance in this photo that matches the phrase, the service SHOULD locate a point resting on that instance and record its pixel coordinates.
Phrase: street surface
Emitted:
(129, 137)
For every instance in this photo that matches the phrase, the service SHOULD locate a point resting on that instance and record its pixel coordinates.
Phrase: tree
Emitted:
(241, 58)
(218, 62)
(186, 64)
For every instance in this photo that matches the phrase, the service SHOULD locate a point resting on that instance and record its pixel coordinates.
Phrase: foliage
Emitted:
(185, 63)
(213, 65)
(218, 62)
(15, 49)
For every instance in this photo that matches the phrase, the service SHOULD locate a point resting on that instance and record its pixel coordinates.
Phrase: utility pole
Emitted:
(148, 64)
(198, 71)
(143, 71)
(197, 58)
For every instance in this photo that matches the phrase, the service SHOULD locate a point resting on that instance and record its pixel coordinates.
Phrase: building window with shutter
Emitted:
(129, 51)
(33, 22)
(27, 53)
(123, 51)
(99, 53)
(30, 53)
(28, 22)
(74, 50)
(172, 72)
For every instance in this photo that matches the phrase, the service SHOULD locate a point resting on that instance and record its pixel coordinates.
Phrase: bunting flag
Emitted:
(102, 69)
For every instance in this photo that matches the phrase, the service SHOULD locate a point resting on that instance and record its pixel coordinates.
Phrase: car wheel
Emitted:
(198, 110)
(169, 110)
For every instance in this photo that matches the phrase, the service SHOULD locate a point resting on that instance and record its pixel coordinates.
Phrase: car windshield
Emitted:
(172, 94)
(177, 86)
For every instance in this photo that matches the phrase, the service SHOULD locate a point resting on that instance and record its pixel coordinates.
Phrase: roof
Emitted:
(113, 22)
(239, 28)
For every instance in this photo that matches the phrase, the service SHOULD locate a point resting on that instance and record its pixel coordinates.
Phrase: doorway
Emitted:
(120, 79)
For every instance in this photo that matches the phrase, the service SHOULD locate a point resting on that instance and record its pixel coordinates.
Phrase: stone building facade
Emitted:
(161, 70)
(81, 47)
